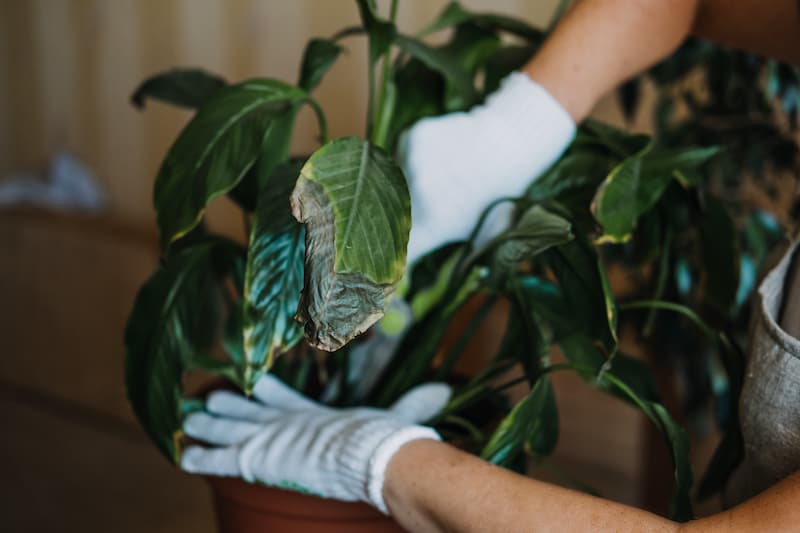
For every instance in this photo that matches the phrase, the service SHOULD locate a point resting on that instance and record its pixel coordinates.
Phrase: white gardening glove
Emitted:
(285, 440)
(459, 163)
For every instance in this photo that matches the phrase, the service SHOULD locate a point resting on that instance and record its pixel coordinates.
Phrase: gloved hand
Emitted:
(457, 164)
(286, 440)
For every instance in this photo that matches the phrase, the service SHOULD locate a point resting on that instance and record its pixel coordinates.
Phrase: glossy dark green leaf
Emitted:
(318, 58)
(190, 88)
(576, 169)
(458, 78)
(635, 186)
(575, 265)
(274, 277)
(355, 203)
(215, 150)
(535, 231)
(274, 151)
(530, 427)
(720, 252)
(163, 338)
(625, 195)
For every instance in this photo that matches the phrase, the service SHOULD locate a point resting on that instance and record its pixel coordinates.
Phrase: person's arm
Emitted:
(432, 487)
(601, 43)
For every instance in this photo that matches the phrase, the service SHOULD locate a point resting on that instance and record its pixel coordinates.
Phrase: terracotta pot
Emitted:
(248, 508)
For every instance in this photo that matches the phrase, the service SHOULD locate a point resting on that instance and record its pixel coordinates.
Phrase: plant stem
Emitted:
(663, 270)
(669, 306)
(379, 115)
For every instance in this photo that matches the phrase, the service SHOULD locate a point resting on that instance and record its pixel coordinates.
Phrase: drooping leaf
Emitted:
(190, 88)
(355, 203)
(274, 277)
(676, 439)
(318, 58)
(162, 339)
(215, 150)
(458, 78)
(530, 427)
(535, 231)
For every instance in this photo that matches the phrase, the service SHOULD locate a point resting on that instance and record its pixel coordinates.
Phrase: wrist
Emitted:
(383, 455)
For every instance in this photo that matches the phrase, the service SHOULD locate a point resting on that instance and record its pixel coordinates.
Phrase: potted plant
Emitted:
(336, 222)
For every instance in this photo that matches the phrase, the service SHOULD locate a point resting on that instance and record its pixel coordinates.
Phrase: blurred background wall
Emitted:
(72, 455)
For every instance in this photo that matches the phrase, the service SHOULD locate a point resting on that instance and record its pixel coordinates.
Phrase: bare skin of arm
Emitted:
(601, 43)
(433, 487)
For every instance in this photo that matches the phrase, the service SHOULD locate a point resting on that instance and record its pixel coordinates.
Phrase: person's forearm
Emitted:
(601, 43)
(431, 487)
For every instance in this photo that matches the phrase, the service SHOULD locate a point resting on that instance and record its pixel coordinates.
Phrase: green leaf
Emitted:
(164, 336)
(676, 439)
(535, 231)
(454, 14)
(576, 169)
(420, 93)
(215, 150)
(471, 46)
(189, 88)
(355, 203)
(531, 426)
(274, 151)
(720, 253)
(381, 33)
(575, 265)
(273, 278)
(318, 58)
(626, 194)
(503, 62)
(636, 185)
(613, 140)
(458, 78)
